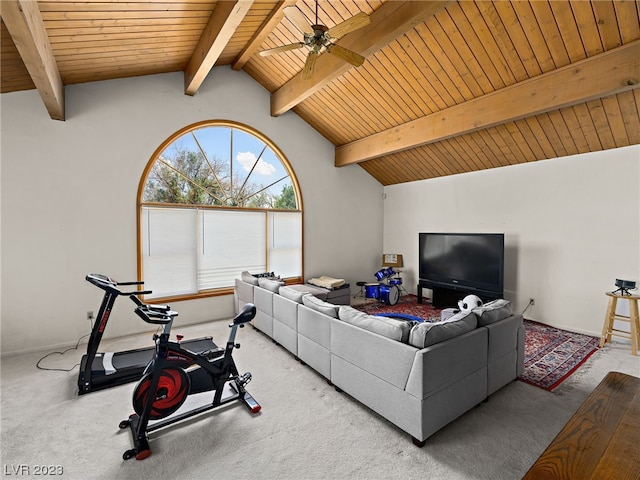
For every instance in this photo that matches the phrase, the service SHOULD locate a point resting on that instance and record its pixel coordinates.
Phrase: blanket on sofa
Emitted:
(327, 282)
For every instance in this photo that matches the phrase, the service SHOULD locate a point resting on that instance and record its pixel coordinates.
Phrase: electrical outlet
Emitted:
(532, 301)
(90, 315)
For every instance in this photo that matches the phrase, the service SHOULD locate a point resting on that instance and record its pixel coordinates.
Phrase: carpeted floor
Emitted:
(305, 430)
(551, 354)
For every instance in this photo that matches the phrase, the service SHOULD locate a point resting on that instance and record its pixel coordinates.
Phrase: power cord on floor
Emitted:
(61, 353)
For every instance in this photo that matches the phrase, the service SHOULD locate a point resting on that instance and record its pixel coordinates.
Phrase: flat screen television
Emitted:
(467, 262)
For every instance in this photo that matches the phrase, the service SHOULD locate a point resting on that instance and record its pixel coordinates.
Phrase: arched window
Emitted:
(216, 199)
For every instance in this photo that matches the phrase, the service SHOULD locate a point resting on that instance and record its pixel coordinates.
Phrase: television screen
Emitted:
(467, 261)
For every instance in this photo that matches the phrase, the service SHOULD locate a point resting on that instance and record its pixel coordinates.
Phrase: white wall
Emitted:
(69, 198)
(572, 226)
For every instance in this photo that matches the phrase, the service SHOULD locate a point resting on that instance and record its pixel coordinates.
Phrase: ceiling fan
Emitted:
(318, 39)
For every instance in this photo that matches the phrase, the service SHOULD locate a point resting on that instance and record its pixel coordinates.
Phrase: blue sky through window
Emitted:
(247, 155)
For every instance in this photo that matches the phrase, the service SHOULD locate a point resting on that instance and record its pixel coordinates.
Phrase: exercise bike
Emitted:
(100, 370)
(177, 372)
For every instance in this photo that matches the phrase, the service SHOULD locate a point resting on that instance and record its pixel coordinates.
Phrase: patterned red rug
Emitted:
(407, 305)
(551, 354)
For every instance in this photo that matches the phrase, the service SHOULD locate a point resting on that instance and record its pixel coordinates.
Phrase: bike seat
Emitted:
(213, 353)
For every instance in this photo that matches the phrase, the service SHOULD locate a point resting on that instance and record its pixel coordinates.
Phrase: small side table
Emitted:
(633, 319)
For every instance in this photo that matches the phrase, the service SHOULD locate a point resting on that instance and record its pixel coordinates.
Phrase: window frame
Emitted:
(140, 203)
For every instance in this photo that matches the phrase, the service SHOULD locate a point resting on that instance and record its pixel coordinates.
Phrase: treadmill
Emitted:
(100, 370)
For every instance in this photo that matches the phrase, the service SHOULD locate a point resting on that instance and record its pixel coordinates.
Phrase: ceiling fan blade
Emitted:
(307, 71)
(349, 56)
(349, 25)
(298, 19)
(283, 48)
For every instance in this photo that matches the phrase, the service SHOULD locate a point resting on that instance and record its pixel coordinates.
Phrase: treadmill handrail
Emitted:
(110, 285)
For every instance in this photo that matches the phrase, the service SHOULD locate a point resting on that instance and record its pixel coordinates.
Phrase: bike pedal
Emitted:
(243, 379)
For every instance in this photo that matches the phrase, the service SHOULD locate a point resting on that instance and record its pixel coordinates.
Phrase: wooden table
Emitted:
(602, 439)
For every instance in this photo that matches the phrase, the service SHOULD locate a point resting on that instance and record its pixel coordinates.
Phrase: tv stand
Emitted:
(442, 297)
(448, 297)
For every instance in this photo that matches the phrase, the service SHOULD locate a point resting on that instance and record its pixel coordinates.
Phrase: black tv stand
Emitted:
(448, 297)
(442, 297)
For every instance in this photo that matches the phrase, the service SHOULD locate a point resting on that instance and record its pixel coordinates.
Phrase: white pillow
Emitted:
(426, 334)
(321, 306)
(248, 278)
(292, 294)
(271, 285)
(493, 311)
(387, 327)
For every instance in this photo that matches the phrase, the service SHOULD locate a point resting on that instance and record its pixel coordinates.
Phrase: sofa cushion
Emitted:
(292, 293)
(392, 328)
(319, 305)
(248, 278)
(271, 285)
(493, 311)
(426, 334)
(318, 292)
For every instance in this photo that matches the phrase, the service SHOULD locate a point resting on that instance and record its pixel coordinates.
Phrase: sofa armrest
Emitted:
(244, 291)
(503, 336)
(440, 365)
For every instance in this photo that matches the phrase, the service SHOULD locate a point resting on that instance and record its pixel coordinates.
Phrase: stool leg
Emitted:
(608, 322)
(635, 325)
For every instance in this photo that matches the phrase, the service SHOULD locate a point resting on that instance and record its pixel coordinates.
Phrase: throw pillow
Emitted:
(426, 334)
(319, 305)
(392, 328)
(292, 294)
(493, 311)
(271, 285)
(248, 278)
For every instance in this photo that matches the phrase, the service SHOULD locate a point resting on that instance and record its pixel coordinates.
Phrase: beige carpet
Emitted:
(306, 430)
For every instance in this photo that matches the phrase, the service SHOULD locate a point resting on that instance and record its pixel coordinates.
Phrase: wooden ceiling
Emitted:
(447, 86)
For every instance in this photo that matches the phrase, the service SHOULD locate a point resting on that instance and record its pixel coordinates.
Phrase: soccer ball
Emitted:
(469, 302)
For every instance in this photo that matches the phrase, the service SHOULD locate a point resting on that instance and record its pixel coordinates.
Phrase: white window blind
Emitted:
(169, 250)
(190, 250)
(285, 243)
(230, 243)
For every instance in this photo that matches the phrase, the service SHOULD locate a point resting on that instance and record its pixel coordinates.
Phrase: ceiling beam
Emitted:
(224, 21)
(608, 73)
(274, 18)
(26, 27)
(389, 22)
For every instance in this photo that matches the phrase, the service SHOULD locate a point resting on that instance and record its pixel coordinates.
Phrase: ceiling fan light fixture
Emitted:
(319, 38)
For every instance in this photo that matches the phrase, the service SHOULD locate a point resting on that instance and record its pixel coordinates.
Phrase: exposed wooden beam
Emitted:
(608, 73)
(387, 23)
(221, 26)
(26, 27)
(274, 18)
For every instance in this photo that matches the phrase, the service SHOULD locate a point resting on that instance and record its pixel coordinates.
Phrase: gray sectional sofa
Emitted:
(419, 376)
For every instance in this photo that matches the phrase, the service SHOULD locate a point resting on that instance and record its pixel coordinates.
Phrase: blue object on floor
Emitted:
(402, 316)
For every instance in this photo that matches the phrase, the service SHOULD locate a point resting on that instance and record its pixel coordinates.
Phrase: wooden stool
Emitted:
(611, 316)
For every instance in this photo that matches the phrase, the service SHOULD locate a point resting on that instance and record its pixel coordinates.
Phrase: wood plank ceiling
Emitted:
(447, 86)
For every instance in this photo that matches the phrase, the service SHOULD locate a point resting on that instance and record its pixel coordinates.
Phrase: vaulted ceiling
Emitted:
(446, 86)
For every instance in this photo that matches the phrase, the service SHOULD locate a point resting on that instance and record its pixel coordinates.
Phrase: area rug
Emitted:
(407, 305)
(551, 354)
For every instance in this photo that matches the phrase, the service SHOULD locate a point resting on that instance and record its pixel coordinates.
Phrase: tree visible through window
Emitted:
(216, 199)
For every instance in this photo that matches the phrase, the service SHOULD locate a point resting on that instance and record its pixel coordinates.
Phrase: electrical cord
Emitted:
(61, 353)
(527, 307)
